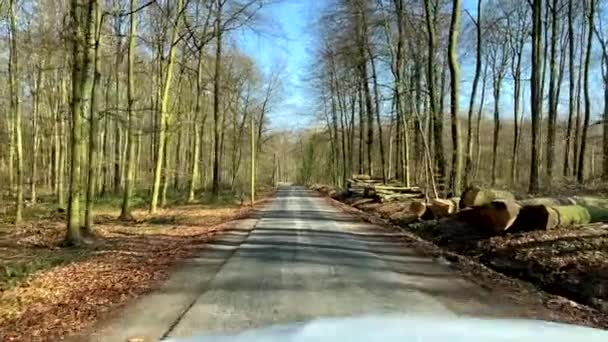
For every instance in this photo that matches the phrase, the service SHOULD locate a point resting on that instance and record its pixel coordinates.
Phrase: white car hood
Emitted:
(406, 329)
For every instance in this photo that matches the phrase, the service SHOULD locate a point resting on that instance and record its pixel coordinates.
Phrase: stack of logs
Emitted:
(375, 190)
(498, 211)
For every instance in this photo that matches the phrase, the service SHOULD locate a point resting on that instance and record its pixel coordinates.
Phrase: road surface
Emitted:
(300, 258)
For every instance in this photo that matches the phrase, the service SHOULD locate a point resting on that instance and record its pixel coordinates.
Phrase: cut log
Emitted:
(402, 219)
(361, 177)
(418, 208)
(548, 201)
(580, 210)
(399, 197)
(398, 189)
(477, 197)
(442, 207)
(545, 217)
(500, 215)
(363, 201)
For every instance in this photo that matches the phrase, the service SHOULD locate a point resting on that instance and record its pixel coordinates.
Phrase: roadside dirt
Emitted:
(550, 274)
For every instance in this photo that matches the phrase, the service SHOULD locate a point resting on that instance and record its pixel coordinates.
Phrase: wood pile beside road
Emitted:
(365, 186)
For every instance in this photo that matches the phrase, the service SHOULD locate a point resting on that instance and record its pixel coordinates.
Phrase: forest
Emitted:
(131, 99)
(506, 93)
(478, 126)
(134, 132)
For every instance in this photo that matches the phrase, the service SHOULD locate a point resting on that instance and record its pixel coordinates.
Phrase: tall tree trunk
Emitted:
(469, 153)
(252, 172)
(15, 104)
(571, 87)
(535, 94)
(35, 128)
(63, 149)
(478, 125)
(80, 14)
(456, 174)
(377, 110)
(579, 89)
(580, 177)
(361, 128)
(516, 109)
(216, 100)
(164, 105)
(605, 123)
(198, 130)
(93, 153)
(551, 130)
(496, 89)
(125, 210)
(430, 16)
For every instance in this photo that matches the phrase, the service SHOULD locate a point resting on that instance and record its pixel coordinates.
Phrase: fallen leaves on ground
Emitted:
(124, 260)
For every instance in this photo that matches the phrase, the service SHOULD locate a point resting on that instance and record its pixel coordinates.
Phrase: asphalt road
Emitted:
(301, 258)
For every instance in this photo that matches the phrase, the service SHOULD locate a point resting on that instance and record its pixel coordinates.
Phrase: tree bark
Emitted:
(430, 16)
(571, 86)
(469, 152)
(35, 135)
(80, 15)
(15, 104)
(93, 153)
(580, 177)
(456, 174)
(164, 105)
(551, 130)
(125, 211)
(535, 95)
(216, 100)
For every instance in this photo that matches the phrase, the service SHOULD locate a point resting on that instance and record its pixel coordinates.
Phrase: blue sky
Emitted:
(287, 41)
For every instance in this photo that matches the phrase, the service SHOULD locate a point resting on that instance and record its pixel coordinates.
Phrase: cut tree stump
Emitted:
(418, 208)
(478, 197)
(442, 207)
(500, 215)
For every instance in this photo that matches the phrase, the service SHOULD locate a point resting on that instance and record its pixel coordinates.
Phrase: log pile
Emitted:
(497, 211)
(366, 187)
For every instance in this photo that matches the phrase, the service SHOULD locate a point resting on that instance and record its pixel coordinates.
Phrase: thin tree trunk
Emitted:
(516, 109)
(361, 129)
(469, 153)
(62, 150)
(125, 211)
(164, 109)
(430, 16)
(478, 126)
(93, 153)
(571, 87)
(15, 104)
(456, 174)
(580, 177)
(216, 100)
(535, 94)
(377, 110)
(35, 137)
(551, 130)
(496, 89)
(194, 173)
